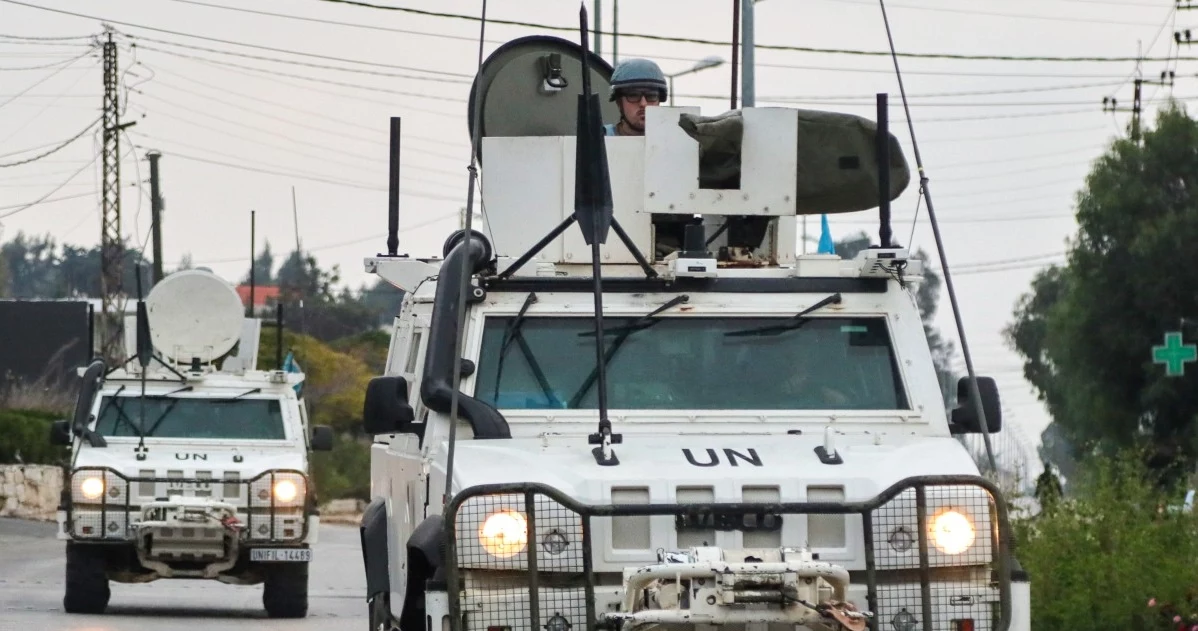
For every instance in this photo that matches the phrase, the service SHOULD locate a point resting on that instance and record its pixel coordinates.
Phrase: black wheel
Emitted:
(285, 590)
(87, 582)
(379, 609)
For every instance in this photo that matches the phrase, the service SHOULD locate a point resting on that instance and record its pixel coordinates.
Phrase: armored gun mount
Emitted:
(693, 195)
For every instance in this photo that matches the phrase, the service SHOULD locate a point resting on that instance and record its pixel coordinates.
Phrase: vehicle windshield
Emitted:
(185, 417)
(693, 363)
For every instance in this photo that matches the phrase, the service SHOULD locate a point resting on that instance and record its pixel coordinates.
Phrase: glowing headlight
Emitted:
(285, 490)
(952, 532)
(504, 534)
(92, 488)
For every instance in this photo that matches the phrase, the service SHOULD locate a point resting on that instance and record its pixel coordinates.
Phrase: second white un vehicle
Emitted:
(188, 462)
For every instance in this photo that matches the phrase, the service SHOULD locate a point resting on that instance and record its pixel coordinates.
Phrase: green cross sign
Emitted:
(1174, 354)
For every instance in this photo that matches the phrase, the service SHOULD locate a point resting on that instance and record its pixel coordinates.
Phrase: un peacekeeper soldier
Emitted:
(635, 84)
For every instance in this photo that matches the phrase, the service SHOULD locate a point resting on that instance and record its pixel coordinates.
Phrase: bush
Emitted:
(25, 437)
(334, 382)
(343, 472)
(1111, 556)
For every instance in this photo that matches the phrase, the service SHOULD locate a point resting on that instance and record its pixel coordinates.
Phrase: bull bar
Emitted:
(552, 583)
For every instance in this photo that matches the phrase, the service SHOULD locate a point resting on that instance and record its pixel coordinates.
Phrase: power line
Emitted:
(43, 198)
(56, 149)
(312, 177)
(288, 137)
(41, 67)
(46, 38)
(657, 56)
(1050, 88)
(1000, 15)
(272, 75)
(306, 64)
(43, 80)
(340, 134)
(225, 41)
(1051, 132)
(691, 40)
(341, 244)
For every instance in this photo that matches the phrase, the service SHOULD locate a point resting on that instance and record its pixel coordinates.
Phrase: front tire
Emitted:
(285, 590)
(87, 580)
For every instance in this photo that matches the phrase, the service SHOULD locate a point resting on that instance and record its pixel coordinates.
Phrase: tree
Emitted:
(928, 299)
(301, 278)
(264, 265)
(4, 279)
(1086, 330)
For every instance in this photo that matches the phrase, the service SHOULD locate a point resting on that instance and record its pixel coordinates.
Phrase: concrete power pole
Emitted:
(111, 245)
(156, 213)
(747, 45)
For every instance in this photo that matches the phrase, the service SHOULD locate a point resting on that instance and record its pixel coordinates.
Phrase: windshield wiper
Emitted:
(229, 399)
(120, 410)
(512, 334)
(167, 395)
(794, 322)
(640, 324)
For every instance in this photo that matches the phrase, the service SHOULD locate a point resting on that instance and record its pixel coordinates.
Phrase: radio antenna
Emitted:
(465, 280)
(974, 395)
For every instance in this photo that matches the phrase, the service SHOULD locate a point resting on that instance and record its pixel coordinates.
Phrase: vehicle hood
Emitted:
(724, 464)
(165, 457)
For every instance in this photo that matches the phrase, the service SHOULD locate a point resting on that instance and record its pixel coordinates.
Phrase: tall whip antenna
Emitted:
(974, 394)
(465, 284)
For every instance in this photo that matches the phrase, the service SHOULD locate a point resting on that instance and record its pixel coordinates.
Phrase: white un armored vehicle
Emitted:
(183, 468)
(764, 444)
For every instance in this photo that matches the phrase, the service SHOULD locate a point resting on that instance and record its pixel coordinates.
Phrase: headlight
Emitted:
(92, 488)
(504, 534)
(952, 532)
(285, 491)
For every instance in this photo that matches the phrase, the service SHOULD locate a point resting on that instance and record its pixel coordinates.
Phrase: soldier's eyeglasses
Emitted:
(633, 98)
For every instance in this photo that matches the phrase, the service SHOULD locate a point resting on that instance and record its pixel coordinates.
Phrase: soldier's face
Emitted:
(633, 105)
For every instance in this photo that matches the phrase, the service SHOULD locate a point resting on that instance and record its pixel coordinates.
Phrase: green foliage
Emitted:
(1096, 559)
(1086, 330)
(38, 268)
(26, 433)
(343, 472)
(369, 346)
(334, 382)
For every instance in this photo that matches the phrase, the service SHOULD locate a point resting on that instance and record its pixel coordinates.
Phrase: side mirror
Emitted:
(386, 409)
(322, 438)
(60, 433)
(965, 418)
(93, 377)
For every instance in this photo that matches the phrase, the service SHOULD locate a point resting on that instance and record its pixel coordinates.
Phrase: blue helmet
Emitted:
(638, 73)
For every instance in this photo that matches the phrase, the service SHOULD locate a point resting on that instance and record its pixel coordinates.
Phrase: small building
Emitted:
(266, 297)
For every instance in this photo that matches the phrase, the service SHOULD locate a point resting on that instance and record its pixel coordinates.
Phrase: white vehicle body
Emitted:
(190, 470)
(728, 501)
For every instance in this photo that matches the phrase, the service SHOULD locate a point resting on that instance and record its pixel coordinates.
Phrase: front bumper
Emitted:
(199, 528)
(903, 581)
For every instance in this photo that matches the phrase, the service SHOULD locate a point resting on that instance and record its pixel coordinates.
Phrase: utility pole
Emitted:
(615, 32)
(598, 30)
(747, 44)
(156, 214)
(1111, 104)
(111, 245)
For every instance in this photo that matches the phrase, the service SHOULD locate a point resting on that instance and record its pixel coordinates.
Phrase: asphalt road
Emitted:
(32, 574)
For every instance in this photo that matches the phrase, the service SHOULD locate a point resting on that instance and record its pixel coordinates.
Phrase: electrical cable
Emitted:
(692, 40)
(55, 149)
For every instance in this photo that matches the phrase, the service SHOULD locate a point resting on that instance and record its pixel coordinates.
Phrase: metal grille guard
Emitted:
(124, 503)
(534, 587)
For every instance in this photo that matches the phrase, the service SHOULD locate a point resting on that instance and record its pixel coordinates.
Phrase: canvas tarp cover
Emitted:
(837, 159)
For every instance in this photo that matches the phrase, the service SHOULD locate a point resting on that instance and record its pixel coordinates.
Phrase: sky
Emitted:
(245, 106)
